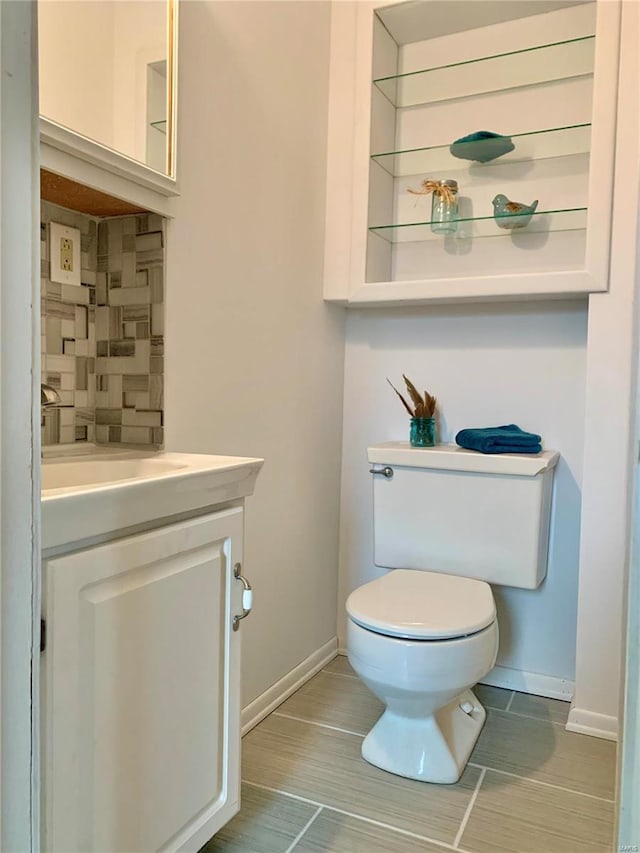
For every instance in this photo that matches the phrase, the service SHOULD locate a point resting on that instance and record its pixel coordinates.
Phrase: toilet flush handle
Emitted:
(382, 472)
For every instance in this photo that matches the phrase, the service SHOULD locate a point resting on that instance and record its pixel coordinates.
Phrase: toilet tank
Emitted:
(451, 510)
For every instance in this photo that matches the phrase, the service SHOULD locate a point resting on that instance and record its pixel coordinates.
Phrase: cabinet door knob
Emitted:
(247, 596)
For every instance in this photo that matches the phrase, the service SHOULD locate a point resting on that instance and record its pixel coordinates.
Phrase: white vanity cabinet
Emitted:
(407, 79)
(141, 689)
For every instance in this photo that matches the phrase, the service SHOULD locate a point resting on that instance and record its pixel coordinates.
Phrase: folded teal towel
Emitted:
(501, 439)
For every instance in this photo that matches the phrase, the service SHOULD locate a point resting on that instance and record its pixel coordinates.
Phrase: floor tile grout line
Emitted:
(314, 723)
(359, 734)
(299, 836)
(530, 717)
(373, 822)
(510, 702)
(486, 705)
(340, 674)
(468, 810)
(298, 797)
(540, 782)
(309, 722)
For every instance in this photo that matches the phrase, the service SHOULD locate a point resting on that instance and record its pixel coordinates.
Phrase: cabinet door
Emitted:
(142, 725)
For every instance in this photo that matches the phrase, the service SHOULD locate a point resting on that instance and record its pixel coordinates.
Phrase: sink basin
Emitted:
(65, 475)
(89, 496)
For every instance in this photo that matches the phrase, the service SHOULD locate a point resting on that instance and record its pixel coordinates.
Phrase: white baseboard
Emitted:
(282, 689)
(530, 682)
(589, 723)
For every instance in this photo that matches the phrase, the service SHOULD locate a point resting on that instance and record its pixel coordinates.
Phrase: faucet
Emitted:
(49, 396)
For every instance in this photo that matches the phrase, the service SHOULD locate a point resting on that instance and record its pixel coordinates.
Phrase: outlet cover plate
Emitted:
(64, 254)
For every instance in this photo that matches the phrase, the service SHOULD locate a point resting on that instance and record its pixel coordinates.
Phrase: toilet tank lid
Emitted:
(450, 457)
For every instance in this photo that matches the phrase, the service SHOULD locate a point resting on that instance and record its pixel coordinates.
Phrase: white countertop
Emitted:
(93, 492)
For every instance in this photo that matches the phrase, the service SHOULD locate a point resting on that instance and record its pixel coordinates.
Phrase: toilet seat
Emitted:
(417, 605)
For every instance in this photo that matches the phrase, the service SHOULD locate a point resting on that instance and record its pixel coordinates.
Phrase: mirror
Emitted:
(107, 73)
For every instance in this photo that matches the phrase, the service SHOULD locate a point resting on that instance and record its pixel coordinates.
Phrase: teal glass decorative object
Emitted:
(512, 214)
(444, 208)
(444, 204)
(422, 432)
(481, 146)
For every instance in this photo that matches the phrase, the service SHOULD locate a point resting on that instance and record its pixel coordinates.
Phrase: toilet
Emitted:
(447, 523)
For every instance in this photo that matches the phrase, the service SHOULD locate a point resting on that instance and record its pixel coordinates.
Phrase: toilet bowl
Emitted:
(446, 523)
(420, 640)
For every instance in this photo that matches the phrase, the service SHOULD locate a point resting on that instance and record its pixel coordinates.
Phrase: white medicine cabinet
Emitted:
(108, 96)
(410, 78)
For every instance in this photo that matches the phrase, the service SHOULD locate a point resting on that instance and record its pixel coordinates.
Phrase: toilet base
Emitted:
(430, 749)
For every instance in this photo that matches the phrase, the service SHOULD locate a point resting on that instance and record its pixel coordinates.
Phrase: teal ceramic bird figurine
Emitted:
(512, 214)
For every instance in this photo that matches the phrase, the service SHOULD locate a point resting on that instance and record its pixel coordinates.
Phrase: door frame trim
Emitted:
(19, 426)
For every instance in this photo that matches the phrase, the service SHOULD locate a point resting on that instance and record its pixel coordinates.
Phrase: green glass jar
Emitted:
(444, 208)
(422, 432)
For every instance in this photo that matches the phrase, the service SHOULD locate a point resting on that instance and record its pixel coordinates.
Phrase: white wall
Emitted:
(254, 356)
(518, 363)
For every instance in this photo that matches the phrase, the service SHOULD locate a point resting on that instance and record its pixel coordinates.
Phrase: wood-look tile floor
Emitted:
(530, 787)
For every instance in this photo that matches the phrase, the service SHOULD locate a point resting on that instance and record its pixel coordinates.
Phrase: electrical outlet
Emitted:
(64, 253)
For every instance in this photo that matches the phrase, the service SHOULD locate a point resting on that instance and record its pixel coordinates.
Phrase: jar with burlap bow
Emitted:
(444, 204)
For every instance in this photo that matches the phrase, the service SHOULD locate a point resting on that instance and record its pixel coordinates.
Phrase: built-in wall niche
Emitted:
(438, 71)
(529, 78)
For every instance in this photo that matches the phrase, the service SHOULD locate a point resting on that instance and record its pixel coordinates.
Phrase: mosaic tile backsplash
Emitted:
(102, 343)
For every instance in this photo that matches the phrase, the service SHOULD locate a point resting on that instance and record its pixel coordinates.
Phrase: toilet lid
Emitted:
(422, 605)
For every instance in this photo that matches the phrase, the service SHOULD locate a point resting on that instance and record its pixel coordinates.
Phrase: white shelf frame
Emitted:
(348, 179)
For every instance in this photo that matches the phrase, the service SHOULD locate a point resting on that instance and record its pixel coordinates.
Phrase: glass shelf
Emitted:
(160, 125)
(537, 145)
(573, 219)
(542, 64)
